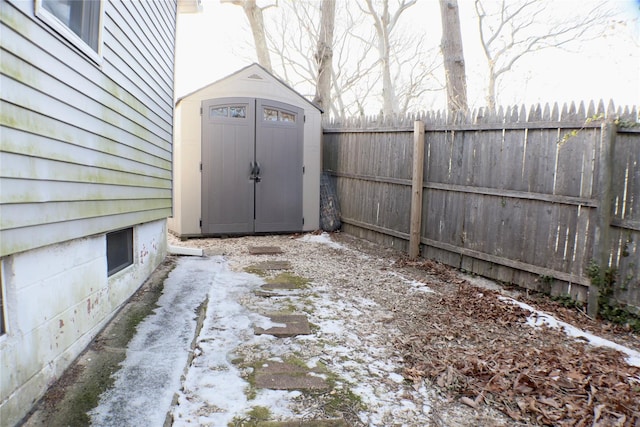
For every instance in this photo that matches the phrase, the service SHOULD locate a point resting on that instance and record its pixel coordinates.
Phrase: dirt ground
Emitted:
(487, 365)
(460, 354)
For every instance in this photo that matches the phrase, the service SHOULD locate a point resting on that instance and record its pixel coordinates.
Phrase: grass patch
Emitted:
(252, 269)
(250, 391)
(285, 277)
(255, 417)
(343, 401)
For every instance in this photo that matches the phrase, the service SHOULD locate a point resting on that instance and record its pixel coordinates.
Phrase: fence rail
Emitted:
(531, 198)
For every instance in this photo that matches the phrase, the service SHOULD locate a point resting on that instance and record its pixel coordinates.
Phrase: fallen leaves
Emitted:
(474, 346)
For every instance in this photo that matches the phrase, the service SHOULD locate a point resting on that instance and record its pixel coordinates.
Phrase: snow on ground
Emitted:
(156, 356)
(324, 239)
(539, 318)
(347, 340)
(213, 391)
(415, 284)
(352, 304)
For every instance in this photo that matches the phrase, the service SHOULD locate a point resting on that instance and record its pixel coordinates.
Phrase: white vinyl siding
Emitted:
(85, 148)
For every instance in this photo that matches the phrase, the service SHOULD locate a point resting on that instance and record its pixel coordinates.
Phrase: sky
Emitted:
(217, 42)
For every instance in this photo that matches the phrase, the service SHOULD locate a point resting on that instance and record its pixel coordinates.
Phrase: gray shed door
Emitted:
(251, 166)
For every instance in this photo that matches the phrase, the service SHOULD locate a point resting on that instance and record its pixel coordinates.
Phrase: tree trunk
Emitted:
(452, 52)
(491, 88)
(256, 21)
(384, 24)
(324, 54)
(254, 14)
(389, 103)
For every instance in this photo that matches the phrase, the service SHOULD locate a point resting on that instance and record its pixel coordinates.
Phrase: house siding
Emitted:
(102, 131)
(85, 149)
(55, 310)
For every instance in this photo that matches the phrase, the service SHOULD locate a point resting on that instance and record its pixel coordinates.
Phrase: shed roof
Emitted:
(242, 70)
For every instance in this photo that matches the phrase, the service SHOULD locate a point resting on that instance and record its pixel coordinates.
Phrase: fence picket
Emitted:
(505, 194)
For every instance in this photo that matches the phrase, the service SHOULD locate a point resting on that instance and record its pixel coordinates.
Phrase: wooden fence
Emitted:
(526, 197)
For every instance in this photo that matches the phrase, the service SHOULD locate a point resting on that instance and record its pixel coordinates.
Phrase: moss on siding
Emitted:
(116, 91)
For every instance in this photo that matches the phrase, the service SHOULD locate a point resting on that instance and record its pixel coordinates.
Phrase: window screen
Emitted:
(119, 250)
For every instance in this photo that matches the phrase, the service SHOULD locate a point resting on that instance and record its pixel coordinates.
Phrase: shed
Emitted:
(246, 158)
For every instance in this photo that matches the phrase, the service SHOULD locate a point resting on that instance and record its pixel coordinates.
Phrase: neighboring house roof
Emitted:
(236, 73)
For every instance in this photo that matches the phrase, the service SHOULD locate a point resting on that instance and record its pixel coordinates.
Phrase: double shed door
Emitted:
(252, 166)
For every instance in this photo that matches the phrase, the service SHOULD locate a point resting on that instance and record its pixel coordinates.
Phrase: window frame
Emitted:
(65, 32)
(130, 255)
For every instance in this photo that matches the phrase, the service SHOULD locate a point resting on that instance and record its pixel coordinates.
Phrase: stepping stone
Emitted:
(295, 324)
(280, 289)
(286, 376)
(264, 250)
(266, 293)
(269, 294)
(281, 286)
(272, 265)
(337, 422)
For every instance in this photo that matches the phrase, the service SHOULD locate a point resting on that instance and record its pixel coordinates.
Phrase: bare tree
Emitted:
(256, 21)
(297, 30)
(324, 54)
(518, 28)
(354, 76)
(384, 23)
(352, 84)
(453, 55)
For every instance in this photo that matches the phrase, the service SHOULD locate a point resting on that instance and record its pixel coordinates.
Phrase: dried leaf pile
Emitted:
(480, 349)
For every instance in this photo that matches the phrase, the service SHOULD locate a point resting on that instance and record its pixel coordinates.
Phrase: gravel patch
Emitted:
(360, 306)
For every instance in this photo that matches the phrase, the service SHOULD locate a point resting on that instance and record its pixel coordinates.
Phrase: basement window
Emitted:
(119, 250)
(78, 21)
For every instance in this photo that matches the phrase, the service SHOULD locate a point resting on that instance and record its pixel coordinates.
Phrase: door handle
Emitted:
(252, 171)
(257, 173)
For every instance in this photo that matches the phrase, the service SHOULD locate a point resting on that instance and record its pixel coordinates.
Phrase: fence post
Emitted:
(416, 189)
(602, 235)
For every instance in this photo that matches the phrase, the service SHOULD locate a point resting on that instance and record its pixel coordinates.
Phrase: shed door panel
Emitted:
(279, 150)
(227, 153)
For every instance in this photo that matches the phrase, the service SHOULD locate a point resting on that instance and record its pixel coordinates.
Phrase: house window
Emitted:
(119, 250)
(79, 21)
